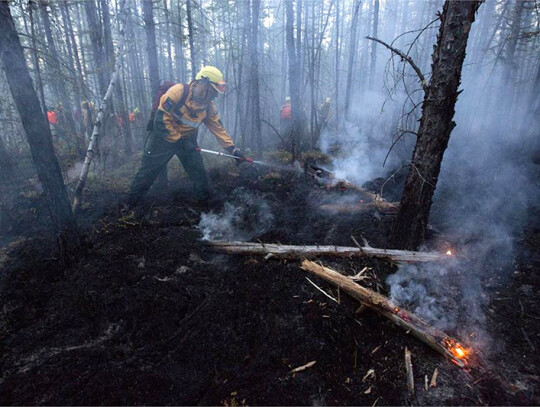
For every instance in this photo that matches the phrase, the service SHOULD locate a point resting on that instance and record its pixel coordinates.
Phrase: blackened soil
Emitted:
(151, 316)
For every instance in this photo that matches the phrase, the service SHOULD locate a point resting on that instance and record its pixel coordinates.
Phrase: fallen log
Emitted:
(381, 206)
(305, 252)
(435, 339)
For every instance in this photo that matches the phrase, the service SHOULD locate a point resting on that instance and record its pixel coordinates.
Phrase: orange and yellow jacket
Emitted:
(182, 121)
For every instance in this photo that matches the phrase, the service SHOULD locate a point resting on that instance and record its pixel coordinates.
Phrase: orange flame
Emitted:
(449, 252)
(457, 350)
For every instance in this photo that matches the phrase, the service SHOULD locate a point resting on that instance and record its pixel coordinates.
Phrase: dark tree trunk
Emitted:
(38, 135)
(74, 62)
(513, 40)
(294, 79)
(338, 56)
(194, 63)
(436, 124)
(352, 55)
(168, 36)
(122, 112)
(55, 63)
(35, 57)
(374, 44)
(74, 45)
(256, 4)
(150, 28)
(97, 44)
(7, 169)
(151, 50)
(179, 48)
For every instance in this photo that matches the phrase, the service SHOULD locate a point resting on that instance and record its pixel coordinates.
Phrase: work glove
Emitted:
(238, 153)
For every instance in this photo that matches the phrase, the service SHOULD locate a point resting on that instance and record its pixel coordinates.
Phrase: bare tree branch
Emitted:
(405, 58)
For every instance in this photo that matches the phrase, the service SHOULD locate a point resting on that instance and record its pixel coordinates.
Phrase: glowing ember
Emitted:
(449, 253)
(457, 350)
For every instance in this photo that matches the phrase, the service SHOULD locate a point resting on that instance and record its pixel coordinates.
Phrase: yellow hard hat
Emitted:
(214, 76)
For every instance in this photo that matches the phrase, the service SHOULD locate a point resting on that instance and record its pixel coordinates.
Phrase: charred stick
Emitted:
(434, 378)
(409, 372)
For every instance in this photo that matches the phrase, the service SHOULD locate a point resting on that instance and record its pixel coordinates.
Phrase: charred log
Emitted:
(302, 252)
(435, 339)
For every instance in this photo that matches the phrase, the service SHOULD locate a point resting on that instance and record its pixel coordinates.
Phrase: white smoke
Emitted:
(364, 140)
(245, 216)
(420, 289)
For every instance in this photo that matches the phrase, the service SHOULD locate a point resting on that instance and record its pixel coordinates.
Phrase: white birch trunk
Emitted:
(101, 113)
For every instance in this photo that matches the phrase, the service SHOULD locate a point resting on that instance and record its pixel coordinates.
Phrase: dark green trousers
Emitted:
(157, 153)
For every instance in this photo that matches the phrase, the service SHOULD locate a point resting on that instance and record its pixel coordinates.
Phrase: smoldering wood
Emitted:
(380, 206)
(435, 339)
(301, 252)
(328, 179)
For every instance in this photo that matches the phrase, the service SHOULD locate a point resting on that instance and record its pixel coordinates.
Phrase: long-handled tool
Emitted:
(249, 160)
(246, 159)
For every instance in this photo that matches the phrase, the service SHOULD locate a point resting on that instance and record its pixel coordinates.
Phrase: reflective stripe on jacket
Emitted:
(181, 121)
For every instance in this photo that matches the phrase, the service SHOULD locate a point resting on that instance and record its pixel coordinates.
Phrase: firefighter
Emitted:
(174, 132)
(87, 118)
(52, 118)
(325, 113)
(285, 115)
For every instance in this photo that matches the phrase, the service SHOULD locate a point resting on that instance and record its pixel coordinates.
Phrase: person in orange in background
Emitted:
(285, 115)
(52, 118)
(133, 115)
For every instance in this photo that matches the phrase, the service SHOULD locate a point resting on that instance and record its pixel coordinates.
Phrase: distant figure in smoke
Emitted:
(87, 118)
(286, 118)
(180, 110)
(325, 113)
(52, 118)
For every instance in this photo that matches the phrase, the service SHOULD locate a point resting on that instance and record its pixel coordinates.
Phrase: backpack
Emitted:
(52, 117)
(286, 112)
(164, 86)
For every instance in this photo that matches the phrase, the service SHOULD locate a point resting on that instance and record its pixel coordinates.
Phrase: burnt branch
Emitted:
(404, 57)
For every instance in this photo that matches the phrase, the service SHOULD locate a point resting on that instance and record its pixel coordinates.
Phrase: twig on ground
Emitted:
(303, 367)
(322, 291)
(409, 372)
(434, 378)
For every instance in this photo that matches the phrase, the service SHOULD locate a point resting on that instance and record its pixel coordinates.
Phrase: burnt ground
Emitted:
(149, 315)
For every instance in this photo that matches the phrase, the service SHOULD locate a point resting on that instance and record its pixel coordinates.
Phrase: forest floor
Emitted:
(150, 316)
